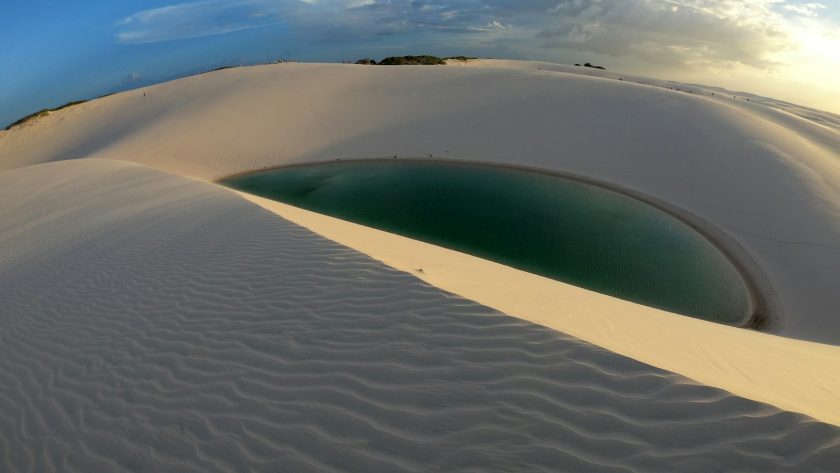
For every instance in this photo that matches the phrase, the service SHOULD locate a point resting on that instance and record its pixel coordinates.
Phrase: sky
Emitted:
(55, 51)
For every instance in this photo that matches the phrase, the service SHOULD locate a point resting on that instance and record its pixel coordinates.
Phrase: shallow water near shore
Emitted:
(558, 227)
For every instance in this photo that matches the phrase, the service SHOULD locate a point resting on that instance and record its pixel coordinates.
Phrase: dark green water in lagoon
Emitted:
(556, 227)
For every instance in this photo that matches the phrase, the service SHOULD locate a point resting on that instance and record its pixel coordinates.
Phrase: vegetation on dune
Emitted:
(220, 68)
(42, 113)
(594, 67)
(412, 60)
(425, 60)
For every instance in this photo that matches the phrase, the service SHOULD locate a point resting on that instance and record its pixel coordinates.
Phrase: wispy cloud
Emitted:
(494, 25)
(132, 77)
(317, 20)
(196, 19)
(806, 9)
(686, 34)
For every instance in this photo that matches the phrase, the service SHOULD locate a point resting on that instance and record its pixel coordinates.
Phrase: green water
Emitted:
(556, 227)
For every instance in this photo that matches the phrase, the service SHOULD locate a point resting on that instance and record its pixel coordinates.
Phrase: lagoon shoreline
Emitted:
(759, 317)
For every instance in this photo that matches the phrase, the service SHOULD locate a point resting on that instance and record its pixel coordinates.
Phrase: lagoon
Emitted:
(555, 226)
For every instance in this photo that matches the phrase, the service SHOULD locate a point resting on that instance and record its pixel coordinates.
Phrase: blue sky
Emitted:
(55, 51)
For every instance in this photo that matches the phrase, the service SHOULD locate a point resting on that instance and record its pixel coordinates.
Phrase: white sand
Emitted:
(162, 324)
(791, 374)
(754, 103)
(772, 184)
(767, 177)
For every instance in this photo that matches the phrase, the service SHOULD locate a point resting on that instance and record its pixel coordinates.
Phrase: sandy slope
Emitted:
(753, 103)
(794, 375)
(154, 323)
(768, 178)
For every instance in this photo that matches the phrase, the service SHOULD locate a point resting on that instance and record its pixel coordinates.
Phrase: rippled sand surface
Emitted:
(153, 323)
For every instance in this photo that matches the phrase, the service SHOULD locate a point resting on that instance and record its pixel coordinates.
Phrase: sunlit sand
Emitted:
(155, 320)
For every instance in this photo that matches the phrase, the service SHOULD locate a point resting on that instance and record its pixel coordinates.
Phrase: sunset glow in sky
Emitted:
(55, 51)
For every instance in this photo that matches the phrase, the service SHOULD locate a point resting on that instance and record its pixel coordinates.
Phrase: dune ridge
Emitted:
(769, 178)
(163, 324)
(793, 375)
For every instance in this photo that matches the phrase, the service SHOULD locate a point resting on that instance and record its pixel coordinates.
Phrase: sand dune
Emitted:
(163, 324)
(151, 322)
(767, 178)
(793, 375)
(753, 103)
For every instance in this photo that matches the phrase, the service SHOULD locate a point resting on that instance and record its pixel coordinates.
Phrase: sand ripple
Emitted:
(152, 323)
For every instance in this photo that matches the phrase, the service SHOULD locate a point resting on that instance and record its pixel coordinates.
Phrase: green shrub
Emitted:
(42, 113)
(411, 60)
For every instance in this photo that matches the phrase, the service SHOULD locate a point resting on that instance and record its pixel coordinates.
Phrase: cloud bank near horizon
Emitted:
(191, 20)
(670, 33)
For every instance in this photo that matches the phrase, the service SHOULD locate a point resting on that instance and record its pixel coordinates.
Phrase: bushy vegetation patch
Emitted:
(412, 61)
(42, 113)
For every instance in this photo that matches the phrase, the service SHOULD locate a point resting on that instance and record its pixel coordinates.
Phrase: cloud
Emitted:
(359, 4)
(494, 25)
(196, 19)
(132, 77)
(317, 21)
(685, 33)
(678, 34)
(806, 9)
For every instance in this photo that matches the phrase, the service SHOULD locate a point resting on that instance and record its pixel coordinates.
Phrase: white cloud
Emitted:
(676, 33)
(195, 19)
(359, 4)
(806, 9)
(493, 25)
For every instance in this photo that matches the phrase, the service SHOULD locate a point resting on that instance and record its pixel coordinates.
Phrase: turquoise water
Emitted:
(553, 226)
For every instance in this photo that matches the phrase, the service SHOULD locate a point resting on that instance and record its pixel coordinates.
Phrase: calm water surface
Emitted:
(553, 226)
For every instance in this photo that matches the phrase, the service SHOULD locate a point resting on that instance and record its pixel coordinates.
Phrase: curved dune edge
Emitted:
(761, 314)
(790, 374)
